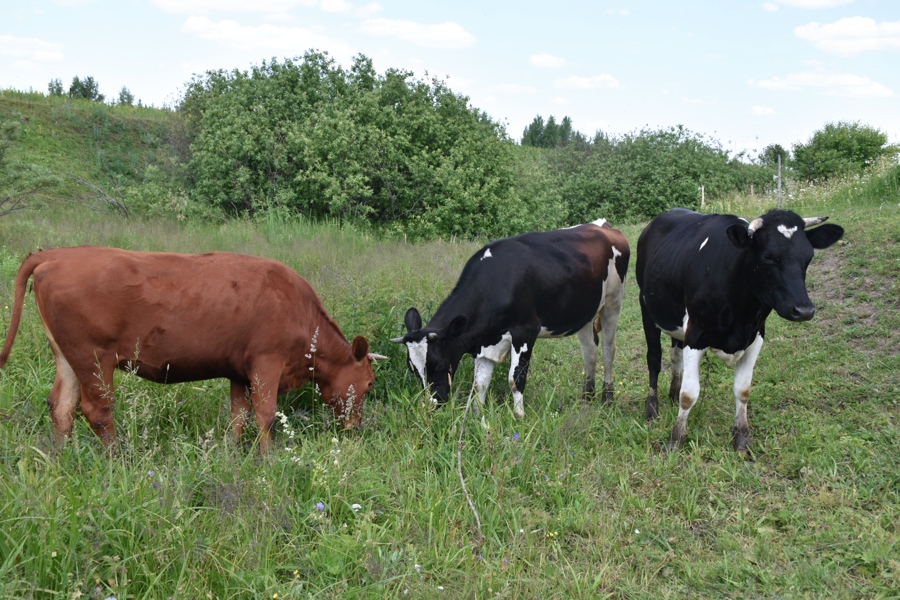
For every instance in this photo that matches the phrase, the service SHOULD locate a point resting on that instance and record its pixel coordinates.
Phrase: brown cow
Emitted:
(173, 318)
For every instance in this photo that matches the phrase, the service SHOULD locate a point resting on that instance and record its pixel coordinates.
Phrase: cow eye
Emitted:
(769, 258)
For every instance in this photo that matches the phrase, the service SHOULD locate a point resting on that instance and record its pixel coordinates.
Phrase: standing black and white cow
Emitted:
(710, 282)
(516, 290)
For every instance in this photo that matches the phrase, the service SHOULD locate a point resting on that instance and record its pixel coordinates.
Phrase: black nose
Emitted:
(803, 313)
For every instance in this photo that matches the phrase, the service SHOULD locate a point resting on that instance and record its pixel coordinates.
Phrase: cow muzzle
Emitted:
(803, 312)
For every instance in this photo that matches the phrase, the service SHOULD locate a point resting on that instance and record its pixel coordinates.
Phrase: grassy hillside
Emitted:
(91, 145)
(576, 501)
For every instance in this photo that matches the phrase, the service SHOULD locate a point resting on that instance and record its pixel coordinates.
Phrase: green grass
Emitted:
(576, 501)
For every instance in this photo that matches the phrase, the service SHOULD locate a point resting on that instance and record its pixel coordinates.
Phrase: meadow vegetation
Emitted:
(576, 500)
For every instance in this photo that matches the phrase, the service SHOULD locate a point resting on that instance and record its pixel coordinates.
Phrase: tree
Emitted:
(126, 97)
(55, 87)
(839, 149)
(86, 88)
(769, 156)
(550, 134)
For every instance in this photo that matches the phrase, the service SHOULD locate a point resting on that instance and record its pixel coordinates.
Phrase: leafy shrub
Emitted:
(839, 149)
(350, 145)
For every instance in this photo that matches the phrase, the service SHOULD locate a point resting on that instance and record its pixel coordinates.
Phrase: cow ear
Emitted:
(359, 348)
(824, 235)
(738, 235)
(457, 326)
(412, 320)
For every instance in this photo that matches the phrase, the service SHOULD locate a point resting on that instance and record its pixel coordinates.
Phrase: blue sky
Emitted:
(746, 73)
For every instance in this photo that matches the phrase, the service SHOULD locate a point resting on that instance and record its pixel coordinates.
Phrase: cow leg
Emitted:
(690, 391)
(97, 400)
(677, 368)
(520, 360)
(240, 408)
(484, 368)
(588, 338)
(64, 398)
(654, 360)
(743, 377)
(609, 326)
(264, 397)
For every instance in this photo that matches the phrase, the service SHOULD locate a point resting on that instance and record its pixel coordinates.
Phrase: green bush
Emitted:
(351, 145)
(839, 149)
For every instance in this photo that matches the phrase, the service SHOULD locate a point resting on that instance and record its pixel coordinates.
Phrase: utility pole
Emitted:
(779, 182)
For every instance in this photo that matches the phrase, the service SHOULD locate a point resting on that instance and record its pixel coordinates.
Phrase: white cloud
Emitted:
(845, 85)
(619, 12)
(770, 6)
(812, 3)
(762, 111)
(515, 89)
(547, 61)
(368, 11)
(194, 7)
(593, 82)
(447, 35)
(851, 35)
(26, 50)
(291, 41)
(336, 6)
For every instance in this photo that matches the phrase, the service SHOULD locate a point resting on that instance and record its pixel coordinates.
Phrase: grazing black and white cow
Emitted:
(516, 290)
(710, 282)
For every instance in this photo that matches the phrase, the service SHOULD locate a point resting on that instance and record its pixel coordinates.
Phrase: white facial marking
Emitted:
(704, 243)
(487, 254)
(787, 231)
(418, 351)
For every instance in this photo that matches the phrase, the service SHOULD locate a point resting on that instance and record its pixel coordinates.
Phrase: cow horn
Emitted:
(813, 221)
(398, 340)
(373, 357)
(754, 225)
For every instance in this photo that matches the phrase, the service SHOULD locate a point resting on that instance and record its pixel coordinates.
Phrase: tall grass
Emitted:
(576, 501)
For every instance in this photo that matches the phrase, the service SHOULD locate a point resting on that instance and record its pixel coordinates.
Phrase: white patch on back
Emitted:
(787, 231)
(600, 222)
(418, 351)
(487, 254)
(703, 244)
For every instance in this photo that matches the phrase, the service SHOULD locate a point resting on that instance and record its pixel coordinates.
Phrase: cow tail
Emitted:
(25, 271)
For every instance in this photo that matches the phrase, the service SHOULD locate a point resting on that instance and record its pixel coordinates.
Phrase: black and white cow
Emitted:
(516, 290)
(710, 282)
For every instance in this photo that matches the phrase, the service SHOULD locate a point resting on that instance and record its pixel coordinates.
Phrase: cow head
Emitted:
(779, 248)
(344, 390)
(433, 353)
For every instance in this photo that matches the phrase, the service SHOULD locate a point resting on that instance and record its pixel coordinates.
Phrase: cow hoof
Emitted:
(519, 414)
(607, 394)
(742, 441)
(672, 446)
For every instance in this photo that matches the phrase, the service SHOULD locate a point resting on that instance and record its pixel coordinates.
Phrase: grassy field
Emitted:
(575, 501)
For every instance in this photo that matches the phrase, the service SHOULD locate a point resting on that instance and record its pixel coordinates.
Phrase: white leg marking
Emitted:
(518, 399)
(610, 308)
(499, 351)
(589, 350)
(675, 355)
(690, 389)
(743, 377)
(418, 351)
(62, 411)
(484, 368)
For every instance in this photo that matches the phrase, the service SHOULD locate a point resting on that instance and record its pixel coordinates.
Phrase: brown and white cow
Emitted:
(173, 318)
